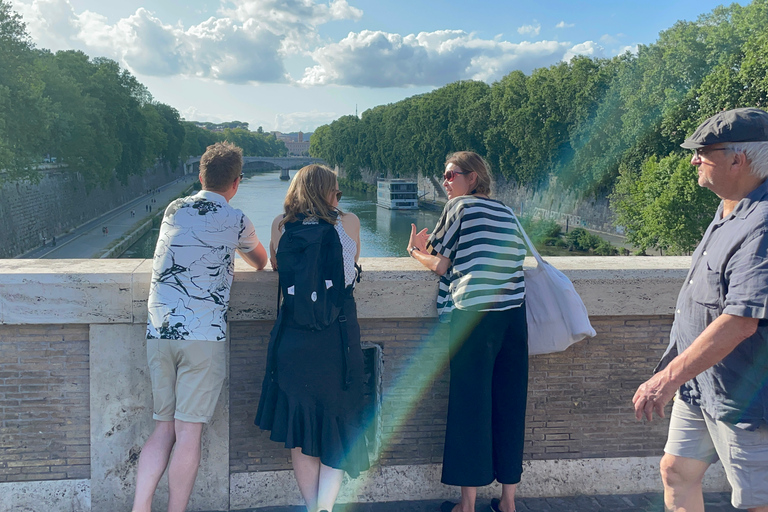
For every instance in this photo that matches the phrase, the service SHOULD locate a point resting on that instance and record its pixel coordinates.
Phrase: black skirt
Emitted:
(312, 395)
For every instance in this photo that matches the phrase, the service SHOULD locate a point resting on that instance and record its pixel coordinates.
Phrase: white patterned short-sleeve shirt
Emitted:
(193, 267)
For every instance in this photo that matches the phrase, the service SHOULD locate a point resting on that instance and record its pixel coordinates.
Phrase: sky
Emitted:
(293, 65)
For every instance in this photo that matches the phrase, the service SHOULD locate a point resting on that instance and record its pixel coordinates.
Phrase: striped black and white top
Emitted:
(482, 239)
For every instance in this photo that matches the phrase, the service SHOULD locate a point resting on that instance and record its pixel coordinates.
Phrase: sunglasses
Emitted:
(242, 175)
(450, 175)
(338, 195)
(698, 153)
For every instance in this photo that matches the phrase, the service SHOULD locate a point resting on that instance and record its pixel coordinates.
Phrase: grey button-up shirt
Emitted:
(729, 274)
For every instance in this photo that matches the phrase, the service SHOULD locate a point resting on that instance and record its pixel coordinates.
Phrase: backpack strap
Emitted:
(345, 377)
(272, 362)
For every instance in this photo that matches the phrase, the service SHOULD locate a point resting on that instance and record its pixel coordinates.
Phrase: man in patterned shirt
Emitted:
(187, 328)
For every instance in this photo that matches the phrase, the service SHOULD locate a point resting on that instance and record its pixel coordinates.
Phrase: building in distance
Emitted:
(297, 143)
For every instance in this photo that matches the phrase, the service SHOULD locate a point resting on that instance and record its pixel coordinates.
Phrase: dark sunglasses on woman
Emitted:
(450, 175)
(338, 195)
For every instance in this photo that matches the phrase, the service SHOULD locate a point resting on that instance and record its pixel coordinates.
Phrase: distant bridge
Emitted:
(283, 162)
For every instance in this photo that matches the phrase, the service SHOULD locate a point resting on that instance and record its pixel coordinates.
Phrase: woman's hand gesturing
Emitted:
(418, 240)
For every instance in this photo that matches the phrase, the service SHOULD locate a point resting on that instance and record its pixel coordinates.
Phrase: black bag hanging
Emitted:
(311, 271)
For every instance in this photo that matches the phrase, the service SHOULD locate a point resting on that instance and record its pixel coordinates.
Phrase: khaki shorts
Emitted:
(694, 434)
(187, 377)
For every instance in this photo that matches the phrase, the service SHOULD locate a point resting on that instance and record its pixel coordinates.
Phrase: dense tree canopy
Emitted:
(594, 124)
(93, 116)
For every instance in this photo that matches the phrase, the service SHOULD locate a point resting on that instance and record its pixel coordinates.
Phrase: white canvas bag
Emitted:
(556, 315)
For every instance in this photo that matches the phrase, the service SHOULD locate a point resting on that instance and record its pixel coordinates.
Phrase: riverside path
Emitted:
(90, 240)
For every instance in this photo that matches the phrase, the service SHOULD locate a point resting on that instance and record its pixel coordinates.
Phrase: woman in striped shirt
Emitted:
(477, 250)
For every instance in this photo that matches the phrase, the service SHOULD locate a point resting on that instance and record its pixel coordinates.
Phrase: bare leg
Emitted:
(467, 502)
(306, 469)
(184, 464)
(152, 464)
(758, 509)
(507, 503)
(328, 487)
(682, 483)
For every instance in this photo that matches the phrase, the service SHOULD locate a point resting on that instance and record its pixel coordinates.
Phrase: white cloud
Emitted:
(529, 30)
(563, 24)
(250, 40)
(247, 44)
(304, 121)
(587, 48)
(609, 39)
(296, 20)
(632, 48)
(52, 23)
(291, 12)
(194, 114)
(381, 59)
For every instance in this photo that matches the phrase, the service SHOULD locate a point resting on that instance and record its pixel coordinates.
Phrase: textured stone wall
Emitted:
(59, 202)
(44, 403)
(549, 202)
(579, 401)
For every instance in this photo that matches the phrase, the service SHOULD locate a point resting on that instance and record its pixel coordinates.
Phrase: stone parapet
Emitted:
(78, 325)
(115, 291)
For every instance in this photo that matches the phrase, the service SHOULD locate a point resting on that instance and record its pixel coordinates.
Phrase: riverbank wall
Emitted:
(550, 201)
(32, 212)
(76, 397)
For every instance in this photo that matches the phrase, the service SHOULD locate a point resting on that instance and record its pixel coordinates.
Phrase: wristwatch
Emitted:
(413, 248)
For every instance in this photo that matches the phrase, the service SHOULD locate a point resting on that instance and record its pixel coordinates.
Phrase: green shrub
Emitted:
(579, 239)
(542, 232)
(605, 248)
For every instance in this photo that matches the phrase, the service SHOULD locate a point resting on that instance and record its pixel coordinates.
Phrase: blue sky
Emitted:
(296, 64)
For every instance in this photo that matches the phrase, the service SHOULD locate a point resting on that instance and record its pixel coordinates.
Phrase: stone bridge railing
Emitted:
(76, 401)
(283, 162)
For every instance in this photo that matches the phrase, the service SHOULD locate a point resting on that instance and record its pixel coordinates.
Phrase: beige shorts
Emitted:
(694, 434)
(187, 377)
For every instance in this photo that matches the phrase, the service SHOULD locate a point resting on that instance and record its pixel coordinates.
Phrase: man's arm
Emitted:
(256, 258)
(717, 341)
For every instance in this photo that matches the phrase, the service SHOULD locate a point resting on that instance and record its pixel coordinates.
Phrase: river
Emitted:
(383, 233)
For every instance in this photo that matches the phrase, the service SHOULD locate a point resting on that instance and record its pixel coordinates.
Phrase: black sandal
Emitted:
(447, 506)
(495, 505)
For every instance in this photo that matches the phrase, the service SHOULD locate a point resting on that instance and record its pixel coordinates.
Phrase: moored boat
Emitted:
(397, 194)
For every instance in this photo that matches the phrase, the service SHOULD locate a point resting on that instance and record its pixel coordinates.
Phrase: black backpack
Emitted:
(311, 271)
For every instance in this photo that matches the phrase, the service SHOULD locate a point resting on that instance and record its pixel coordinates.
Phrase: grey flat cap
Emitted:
(737, 125)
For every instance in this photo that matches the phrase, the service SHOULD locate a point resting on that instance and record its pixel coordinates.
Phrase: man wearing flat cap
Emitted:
(716, 365)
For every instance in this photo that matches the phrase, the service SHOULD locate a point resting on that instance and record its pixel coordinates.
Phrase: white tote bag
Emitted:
(556, 315)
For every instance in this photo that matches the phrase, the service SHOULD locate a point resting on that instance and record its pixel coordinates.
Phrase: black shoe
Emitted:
(447, 506)
(495, 505)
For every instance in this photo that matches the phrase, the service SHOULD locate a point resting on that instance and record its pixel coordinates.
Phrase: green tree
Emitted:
(663, 206)
(24, 110)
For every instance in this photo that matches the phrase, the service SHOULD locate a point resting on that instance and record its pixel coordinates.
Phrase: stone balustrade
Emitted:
(75, 395)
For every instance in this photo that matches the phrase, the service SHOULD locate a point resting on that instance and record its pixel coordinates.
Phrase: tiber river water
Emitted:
(384, 233)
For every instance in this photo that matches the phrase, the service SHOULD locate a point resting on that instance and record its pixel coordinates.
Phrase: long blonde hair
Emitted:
(308, 195)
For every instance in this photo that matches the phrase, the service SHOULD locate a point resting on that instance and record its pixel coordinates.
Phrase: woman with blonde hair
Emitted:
(477, 251)
(312, 395)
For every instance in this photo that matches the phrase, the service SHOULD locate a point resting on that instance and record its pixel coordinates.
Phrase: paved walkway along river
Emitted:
(90, 240)
(714, 502)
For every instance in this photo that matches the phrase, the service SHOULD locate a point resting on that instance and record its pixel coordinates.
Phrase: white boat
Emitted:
(398, 194)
